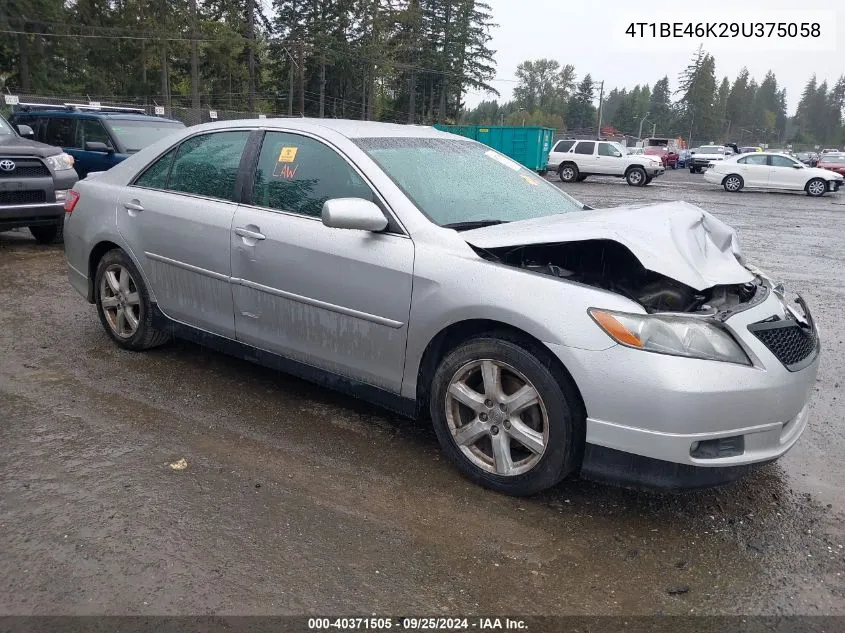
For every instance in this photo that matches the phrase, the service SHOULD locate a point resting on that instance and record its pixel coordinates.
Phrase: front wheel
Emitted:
(816, 187)
(50, 233)
(636, 177)
(733, 183)
(123, 303)
(503, 418)
(649, 179)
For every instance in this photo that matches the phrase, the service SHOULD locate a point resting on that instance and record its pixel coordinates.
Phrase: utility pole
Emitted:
(250, 53)
(412, 97)
(290, 83)
(322, 90)
(195, 61)
(601, 100)
(654, 130)
(692, 120)
(640, 135)
(301, 79)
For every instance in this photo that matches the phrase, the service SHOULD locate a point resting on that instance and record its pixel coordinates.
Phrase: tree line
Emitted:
(700, 107)
(396, 60)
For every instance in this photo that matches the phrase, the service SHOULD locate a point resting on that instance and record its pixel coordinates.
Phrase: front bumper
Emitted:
(658, 407)
(655, 170)
(16, 215)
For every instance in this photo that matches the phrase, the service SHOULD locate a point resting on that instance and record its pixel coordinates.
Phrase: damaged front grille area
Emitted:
(792, 344)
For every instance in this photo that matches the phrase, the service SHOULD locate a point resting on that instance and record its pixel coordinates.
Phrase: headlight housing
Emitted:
(673, 335)
(59, 162)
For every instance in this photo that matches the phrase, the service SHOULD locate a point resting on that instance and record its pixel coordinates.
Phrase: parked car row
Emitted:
(45, 149)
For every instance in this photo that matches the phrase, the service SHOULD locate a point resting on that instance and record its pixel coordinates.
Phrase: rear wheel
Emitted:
(636, 177)
(503, 418)
(49, 233)
(816, 187)
(733, 183)
(568, 172)
(123, 303)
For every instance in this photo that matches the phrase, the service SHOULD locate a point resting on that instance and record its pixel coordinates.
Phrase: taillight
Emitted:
(71, 200)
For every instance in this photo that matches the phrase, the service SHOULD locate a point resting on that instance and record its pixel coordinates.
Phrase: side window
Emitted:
(753, 160)
(563, 146)
(207, 165)
(585, 147)
(298, 174)
(155, 177)
(782, 161)
(606, 149)
(59, 131)
(91, 131)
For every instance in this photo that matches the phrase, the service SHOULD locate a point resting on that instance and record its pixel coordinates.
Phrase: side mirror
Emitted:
(26, 131)
(797, 165)
(353, 213)
(96, 146)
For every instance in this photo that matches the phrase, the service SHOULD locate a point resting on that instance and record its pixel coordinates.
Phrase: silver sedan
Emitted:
(439, 278)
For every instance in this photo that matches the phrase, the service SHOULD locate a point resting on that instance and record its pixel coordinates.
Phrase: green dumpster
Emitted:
(529, 146)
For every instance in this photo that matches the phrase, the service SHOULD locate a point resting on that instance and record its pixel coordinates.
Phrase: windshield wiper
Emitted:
(475, 224)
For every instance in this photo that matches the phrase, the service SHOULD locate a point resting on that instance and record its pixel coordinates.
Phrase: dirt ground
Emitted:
(298, 501)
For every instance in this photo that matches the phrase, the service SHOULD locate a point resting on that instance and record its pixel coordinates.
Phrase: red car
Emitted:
(668, 157)
(833, 162)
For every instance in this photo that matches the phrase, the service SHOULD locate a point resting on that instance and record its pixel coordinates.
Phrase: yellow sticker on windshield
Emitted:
(288, 154)
(529, 180)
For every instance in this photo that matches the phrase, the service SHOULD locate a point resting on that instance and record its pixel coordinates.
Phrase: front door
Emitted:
(786, 173)
(86, 161)
(610, 160)
(332, 298)
(177, 220)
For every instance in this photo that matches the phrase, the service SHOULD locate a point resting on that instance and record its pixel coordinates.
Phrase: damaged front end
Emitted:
(610, 266)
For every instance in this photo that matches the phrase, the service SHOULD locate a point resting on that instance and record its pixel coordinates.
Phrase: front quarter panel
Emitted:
(453, 284)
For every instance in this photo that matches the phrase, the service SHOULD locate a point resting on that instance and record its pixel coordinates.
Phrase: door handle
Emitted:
(245, 232)
(133, 205)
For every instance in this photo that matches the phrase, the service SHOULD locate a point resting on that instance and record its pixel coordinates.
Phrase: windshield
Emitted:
(833, 159)
(136, 135)
(5, 128)
(460, 181)
(711, 149)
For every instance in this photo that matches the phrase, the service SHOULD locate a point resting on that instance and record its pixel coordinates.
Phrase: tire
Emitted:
(733, 183)
(130, 295)
(555, 421)
(636, 177)
(816, 188)
(692, 170)
(581, 178)
(49, 233)
(568, 172)
(648, 180)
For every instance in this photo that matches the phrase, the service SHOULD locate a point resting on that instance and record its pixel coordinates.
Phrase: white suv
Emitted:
(575, 160)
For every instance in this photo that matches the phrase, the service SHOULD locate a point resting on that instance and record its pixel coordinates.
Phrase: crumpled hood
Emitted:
(675, 239)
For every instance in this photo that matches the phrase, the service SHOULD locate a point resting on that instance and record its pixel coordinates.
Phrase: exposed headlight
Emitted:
(677, 336)
(60, 162)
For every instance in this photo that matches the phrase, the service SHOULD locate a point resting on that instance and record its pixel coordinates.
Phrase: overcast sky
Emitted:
(590, 36)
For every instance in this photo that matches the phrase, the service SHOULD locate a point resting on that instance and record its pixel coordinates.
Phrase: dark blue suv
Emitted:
(96, 138)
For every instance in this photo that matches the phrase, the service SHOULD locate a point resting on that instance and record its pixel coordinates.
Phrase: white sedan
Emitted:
(769, 170)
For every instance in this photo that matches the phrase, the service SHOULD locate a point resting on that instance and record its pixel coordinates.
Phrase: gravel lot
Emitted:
(299, 501)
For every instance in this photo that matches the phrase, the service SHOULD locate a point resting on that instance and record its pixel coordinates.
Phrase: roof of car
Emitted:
(345, 127)
(81, 114)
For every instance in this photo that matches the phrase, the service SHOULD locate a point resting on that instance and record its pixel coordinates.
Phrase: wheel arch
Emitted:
(630, 168)
(96, 253)
(449, 337)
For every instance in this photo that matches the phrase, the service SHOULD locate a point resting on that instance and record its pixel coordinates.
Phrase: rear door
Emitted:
(87, 160)
(177, 220)
(332, 298)
(558, 153)
(754, 170)
(584, 156)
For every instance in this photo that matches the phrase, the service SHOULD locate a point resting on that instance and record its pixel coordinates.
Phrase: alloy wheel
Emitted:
(496, 417)
(120, 301)
(567, 174)
(732, 183)
(816, 188)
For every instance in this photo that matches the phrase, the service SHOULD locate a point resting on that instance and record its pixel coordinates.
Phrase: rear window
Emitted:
(135, 135)
(585, 148)
(563, 146)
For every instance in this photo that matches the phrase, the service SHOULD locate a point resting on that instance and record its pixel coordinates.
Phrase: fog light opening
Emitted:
(722, 447)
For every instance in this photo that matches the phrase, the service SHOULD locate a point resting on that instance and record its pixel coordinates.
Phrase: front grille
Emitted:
(787, 340)
(22, 197)
(25, 168)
